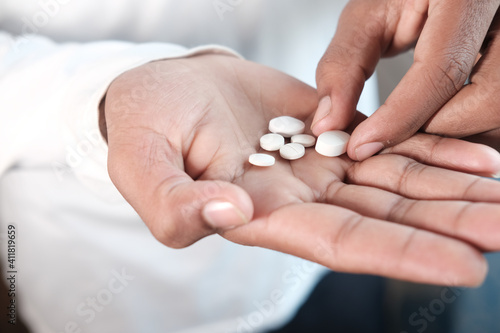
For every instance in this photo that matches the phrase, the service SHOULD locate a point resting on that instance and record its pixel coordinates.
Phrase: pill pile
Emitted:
(331, 143)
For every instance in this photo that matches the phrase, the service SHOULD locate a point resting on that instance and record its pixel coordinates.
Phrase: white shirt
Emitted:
(85, 261)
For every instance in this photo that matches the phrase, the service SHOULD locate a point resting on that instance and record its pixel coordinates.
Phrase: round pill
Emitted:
(304, 139)
(272, 142)
(286, 126)
(292, 151)
(332, 143)
(262, 160)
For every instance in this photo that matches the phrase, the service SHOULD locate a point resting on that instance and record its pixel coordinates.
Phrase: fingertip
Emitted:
(376, 133)
(223, 215)
(228, 210)
(332, 114)
(467, 267)
(447, 262)
(470, 157)
(367, 150)
(187, 211)
(485, 161)
(319, 120)
(243, 202)
(478, 270)
(493, 157)
(361, 146)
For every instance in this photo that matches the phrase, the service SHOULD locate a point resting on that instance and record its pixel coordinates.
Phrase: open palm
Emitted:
(178, 153)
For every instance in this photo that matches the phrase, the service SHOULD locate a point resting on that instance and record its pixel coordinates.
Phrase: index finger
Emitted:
(367, 30)
(444, 56)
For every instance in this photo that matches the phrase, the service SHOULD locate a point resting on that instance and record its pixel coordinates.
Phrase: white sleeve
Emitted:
(49, 99)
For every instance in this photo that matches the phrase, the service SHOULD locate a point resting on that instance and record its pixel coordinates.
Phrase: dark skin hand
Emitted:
(180, 133)
(452, 38)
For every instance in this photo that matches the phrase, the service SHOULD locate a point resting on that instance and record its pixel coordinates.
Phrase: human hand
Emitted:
(449, 36)
(490, 138)
(178, 154)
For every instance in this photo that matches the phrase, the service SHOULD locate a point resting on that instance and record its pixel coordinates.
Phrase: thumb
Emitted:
(178, 210)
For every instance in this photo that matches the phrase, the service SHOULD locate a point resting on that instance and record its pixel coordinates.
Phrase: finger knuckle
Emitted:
(340, 62)
(400, 210)
(451, 75)
(459, 223)
(348, 230)
(410, 169)
(336, 55)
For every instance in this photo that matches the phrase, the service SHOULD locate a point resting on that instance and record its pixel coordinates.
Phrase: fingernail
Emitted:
(368, 150)
(324, 108)
(223, 215)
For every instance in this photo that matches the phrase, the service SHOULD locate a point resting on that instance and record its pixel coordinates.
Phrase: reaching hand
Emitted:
(454, 38)
(180, 133)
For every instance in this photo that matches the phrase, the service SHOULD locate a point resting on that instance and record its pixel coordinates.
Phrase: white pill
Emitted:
(332, 143)
(304, 139)
(272, 142)
(292, 151)
(262, 160)
(286, 126)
